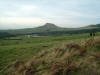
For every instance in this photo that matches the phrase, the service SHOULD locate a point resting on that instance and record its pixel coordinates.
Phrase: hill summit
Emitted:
(49, 26)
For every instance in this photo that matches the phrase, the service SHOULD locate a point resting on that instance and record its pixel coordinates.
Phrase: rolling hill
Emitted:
(52, 29)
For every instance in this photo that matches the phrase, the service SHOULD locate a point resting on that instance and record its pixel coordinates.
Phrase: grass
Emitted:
(23, 50)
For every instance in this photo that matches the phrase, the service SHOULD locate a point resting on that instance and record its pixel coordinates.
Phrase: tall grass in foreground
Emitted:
(68, 59)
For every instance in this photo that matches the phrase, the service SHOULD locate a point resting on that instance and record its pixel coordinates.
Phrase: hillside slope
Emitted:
(48, 27)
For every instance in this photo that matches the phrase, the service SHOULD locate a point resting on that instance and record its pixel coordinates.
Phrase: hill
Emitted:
(52, 29)
(49, 26)
(91, 26)
(97, 25)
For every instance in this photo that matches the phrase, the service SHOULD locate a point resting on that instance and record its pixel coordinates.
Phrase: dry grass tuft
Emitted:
(77, 47)
(20, 68)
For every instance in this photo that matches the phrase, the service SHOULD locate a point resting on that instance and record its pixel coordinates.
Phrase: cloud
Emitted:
(20, 22)
(31, 13)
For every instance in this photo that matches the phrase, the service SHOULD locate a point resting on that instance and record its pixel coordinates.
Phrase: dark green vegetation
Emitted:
(51, 29)
(5, 34)
(15, 49)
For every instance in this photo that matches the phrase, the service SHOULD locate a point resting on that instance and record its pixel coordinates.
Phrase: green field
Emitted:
(25, 48)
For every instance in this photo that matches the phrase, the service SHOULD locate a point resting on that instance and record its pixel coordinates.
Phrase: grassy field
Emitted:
(12, 50)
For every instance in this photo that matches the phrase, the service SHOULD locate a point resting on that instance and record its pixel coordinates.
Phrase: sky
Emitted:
(17, 14)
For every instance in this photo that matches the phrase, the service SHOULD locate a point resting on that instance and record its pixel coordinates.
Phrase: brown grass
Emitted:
(74, 46)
